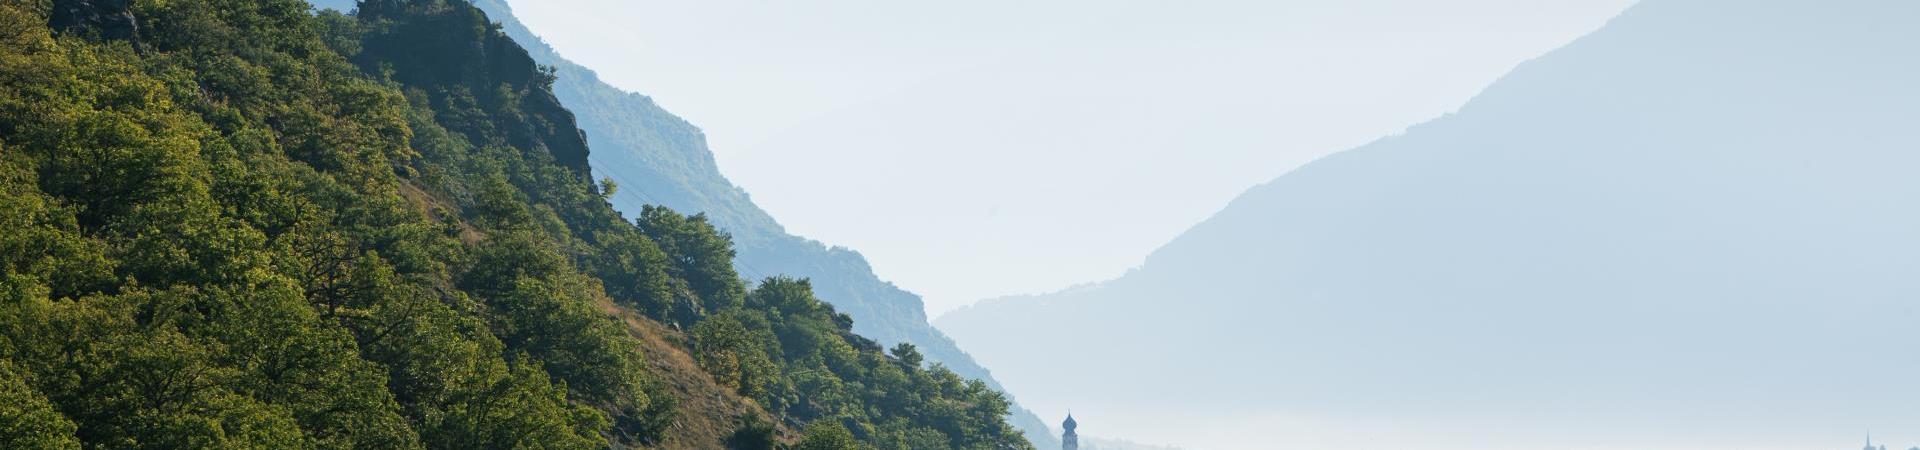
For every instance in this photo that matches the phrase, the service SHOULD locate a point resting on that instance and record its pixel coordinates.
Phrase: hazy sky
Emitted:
(984, 148)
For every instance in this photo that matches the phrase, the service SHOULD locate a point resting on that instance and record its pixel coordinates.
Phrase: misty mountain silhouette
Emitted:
(1706, 213)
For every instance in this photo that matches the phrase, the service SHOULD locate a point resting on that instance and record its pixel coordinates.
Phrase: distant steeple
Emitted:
(1070, 440)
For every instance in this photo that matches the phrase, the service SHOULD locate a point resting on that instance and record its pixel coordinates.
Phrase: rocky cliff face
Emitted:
(107, 19)
(471, 61)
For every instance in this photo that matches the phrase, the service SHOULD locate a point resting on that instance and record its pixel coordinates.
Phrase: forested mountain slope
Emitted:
(236, 224)
(660, 159)
(1694, 228)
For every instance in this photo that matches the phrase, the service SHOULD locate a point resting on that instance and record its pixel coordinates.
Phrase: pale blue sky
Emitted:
(986, 148)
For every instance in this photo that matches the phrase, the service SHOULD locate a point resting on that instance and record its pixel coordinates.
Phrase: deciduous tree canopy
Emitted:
(244, 225)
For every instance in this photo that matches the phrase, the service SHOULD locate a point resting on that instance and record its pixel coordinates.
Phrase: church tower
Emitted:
(1070, 440)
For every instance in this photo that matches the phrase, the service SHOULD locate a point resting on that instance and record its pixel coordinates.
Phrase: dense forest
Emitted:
(241, 224)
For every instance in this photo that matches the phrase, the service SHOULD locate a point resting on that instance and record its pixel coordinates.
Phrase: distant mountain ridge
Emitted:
(1701, 216)
(660, 159)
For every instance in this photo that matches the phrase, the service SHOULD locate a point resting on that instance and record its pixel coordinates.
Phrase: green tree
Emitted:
(520, 411)
(700, 254)
(907, 354)
(753, 433)
(827, 435)
(27, 420)
(735, 354)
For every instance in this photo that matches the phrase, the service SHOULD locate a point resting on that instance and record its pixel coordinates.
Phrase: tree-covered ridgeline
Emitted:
(662, 160)
(239, 224)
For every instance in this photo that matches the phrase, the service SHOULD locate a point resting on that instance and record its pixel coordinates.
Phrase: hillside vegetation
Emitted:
(238, 224)
(660, 159)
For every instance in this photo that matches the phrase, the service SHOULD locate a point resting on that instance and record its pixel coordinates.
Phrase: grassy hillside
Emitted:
(236, 224)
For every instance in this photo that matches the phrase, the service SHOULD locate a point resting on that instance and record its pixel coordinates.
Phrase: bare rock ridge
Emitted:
(111, 19)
